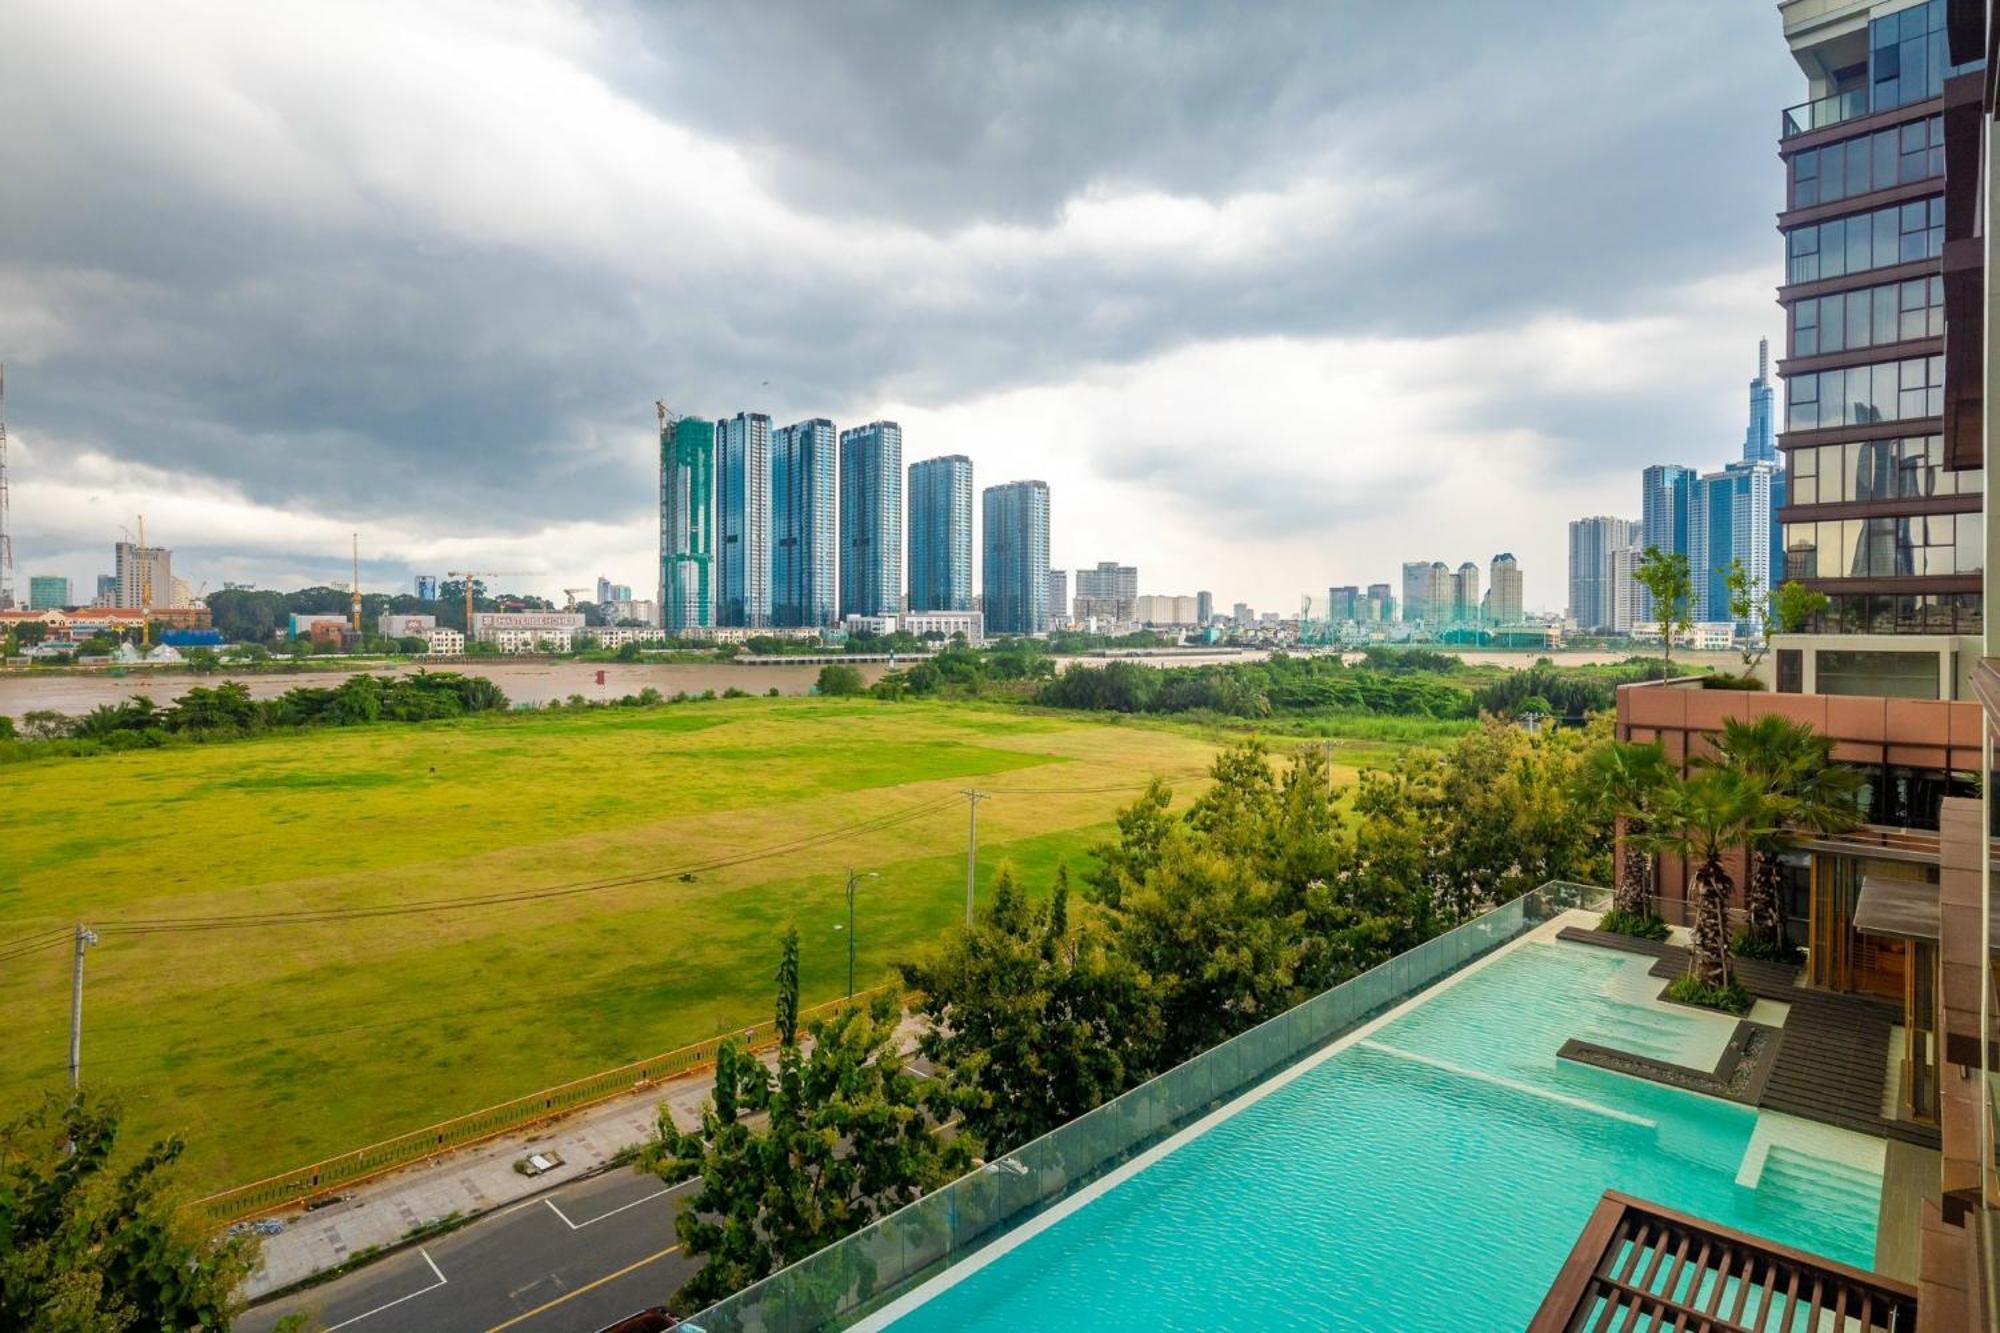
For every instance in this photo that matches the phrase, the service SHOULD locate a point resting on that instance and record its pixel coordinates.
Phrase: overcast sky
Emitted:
(1273, 298)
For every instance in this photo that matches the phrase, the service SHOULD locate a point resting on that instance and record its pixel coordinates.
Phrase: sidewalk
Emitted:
(476, 1180)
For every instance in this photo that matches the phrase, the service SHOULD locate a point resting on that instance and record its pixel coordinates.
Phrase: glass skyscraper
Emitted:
(1760, 443)
(687, 522)
(871, 520)
(940, 518)
(802, 524)
(1015, 574)
(1665, 491)
(743, 520)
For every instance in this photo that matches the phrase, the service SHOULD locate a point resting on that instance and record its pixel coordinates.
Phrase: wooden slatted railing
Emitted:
(1637, 1265)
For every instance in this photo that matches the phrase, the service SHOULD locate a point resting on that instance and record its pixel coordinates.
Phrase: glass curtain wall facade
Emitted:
(687, 523)
(743, 520)
(871, 520)
(1666, 490)
(1594, 570)
(803, 567)
(1873, 518)
(940, 523)
(1016, 564)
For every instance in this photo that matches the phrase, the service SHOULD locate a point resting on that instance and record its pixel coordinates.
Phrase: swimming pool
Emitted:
(1430, 1173)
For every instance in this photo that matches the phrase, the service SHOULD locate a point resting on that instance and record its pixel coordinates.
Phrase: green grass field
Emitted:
(270, 1045)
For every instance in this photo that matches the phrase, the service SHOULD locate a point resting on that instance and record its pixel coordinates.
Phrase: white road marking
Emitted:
(578, 1226)
(400, 1299)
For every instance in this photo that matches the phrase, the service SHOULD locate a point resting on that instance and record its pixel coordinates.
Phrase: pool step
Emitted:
(1635, 1030)
(1802, 1181)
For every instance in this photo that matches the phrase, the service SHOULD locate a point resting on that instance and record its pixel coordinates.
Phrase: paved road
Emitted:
(570, 1261)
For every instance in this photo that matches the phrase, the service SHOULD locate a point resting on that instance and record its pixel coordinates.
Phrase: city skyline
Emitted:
(1111, 297)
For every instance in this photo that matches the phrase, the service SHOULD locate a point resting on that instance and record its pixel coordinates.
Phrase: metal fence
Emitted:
(865, 1271)
(361, 1164)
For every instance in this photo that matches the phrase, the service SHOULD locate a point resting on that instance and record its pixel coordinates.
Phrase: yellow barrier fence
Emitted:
(361, 1164)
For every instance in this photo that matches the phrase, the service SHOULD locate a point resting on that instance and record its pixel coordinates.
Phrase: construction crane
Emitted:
(468, 575)
(6, 524)
(571, 593)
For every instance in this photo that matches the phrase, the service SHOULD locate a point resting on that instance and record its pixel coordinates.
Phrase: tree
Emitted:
(848, 1134)
(1033, 1013)
(1698, 820)
(840, 680)
(1666, 577)
(1784, 611)
(1792, 766)
(1624, 782)
(1794, 604)
(92, 1242)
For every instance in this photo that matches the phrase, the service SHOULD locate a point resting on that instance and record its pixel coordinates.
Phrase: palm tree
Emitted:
(1698, 820)
(1805, 791)
(1624, 781)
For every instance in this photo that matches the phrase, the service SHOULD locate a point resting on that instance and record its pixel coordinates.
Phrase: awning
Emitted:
(1897, 908)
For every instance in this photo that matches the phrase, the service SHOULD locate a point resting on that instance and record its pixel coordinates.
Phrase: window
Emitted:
(1863, 395)
(1878, 161)
(1896, 469)
(1900, 234)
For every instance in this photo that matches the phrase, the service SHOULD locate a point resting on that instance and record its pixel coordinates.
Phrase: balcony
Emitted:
(1821, 112)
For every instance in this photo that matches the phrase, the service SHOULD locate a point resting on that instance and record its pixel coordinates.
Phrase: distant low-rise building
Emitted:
(528, 631)
(950, 624)
(441, 642)
(406, 627)
(617, 636)
(302, 625)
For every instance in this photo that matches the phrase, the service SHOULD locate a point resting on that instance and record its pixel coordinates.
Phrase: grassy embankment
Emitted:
(275, 1043)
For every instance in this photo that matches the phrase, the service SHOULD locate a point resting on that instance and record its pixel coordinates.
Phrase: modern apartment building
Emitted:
(1381, 604)
(1666, 497)
(48, 592)
(1015, 567)
(687, 522)
(1427, 592)
(1204, 607)
(804, 571)
(871, 520)
(1595, 572)
(1730, 521)
(1109, 592)
(940, 527)
(1888, 185)
(1058, 598)
(1343, 604)
(1466, 608)
(743, 521)
(145, 575)
(1503, 594)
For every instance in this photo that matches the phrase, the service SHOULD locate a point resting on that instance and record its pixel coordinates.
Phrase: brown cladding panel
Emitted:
(1807, 708)
(1918, 721)
(1652, 706)
(1918, 756)
(1968, 723)
(1707, 708)
(1856, 718)
(1858, 752)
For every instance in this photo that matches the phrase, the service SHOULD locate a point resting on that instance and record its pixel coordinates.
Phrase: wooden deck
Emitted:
(1638, 1265)
(1833, 1057)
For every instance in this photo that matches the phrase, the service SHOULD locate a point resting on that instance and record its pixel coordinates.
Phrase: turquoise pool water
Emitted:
(1433, 1176)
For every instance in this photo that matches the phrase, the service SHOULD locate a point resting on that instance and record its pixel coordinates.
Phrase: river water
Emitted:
(544, 682)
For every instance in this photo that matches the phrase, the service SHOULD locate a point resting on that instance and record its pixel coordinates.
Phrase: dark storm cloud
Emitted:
(283, 321)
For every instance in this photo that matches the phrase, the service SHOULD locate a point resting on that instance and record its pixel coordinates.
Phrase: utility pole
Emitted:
(1330, 788)
(972, 800)
(854, 877)
(85, 937)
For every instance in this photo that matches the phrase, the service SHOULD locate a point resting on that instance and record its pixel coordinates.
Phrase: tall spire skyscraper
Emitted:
(1760, 444)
